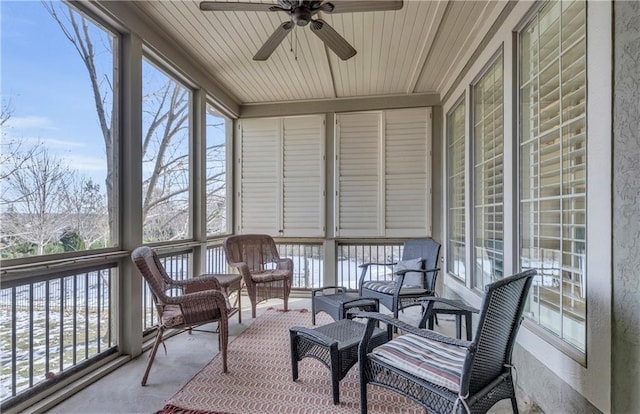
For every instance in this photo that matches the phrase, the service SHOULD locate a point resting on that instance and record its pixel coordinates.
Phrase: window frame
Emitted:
(172, 72)
(498, 56)
(229, 150)
(459, 104)
(556, 339)
(110, 26)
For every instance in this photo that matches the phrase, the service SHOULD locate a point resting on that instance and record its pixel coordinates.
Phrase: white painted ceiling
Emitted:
(418, 49)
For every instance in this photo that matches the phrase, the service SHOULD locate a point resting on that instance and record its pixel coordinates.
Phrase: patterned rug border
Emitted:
(264, 385)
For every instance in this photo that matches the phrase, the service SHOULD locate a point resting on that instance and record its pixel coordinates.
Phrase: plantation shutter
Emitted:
(406, 165)
(384, 173)
(260, 176)
(358, 180)
(282, 176)
(303, 176)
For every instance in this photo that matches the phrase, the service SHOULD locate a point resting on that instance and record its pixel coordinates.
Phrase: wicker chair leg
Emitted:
(514, 404)
(223, 340)
(152, 355)
(363, 391)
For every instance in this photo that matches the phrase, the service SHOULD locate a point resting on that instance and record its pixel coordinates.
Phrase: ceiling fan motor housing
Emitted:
(301, 16)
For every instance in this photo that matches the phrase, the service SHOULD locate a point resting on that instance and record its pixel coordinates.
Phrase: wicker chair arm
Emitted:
(406, 328)
(315, 336)
(284, 264)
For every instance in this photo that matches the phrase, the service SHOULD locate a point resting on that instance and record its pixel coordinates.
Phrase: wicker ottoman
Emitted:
(335, 345)
(339, 303)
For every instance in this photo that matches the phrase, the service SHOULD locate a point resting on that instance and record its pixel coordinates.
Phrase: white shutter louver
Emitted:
(384, 173)
(358, 159)
(303, 175)
(260, 176)
(283, 176)
(406, 160)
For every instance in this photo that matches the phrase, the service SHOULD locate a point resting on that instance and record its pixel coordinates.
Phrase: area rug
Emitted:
(259, 378)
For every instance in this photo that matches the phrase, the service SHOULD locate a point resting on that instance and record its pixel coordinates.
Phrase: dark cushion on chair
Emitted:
(436, 362)
(412, 279)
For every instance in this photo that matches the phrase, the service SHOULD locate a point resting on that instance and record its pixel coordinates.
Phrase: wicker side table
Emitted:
(335, 345)
(231, 283)
(339, 303)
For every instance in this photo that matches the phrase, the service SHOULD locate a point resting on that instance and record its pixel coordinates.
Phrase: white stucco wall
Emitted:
(626, 209)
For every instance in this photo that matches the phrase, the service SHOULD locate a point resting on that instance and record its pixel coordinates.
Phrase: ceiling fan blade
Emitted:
(332, 39)
(274, 41)
(349, 6)
(233, 6)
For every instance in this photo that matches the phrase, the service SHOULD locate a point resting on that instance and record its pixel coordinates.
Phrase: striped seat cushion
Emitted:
(438, 363)
(389, 287)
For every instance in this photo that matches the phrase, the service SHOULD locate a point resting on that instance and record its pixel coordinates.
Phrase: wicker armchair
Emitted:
(398, 294)
(201, 302)
(264, 273)
(447, 375)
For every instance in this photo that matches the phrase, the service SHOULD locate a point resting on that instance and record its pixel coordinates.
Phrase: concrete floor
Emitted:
(121, 392)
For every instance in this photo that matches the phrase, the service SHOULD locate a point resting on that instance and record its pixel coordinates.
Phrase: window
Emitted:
(488, 175)
(218, 128)
(166, 113)
(383, 174)
(283, 176)
(553, 166)
(57, 158)
(456, 179)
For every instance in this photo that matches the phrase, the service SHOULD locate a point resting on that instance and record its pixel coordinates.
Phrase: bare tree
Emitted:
(34, 200)
(167, 112)
(85, 204)
(76, 29)
(216, 189)
(12, 153)
(166, 192)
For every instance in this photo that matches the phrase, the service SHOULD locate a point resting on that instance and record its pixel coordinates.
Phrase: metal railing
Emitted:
(216, 261)
(53, 323)
(308, 262)
(351, 255)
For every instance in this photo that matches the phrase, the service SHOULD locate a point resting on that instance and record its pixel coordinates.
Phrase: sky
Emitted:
(48, 88)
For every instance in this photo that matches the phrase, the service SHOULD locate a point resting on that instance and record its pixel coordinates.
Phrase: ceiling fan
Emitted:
(301, 13)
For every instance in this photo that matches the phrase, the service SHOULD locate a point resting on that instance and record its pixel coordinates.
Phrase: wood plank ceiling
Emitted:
(409, 51)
